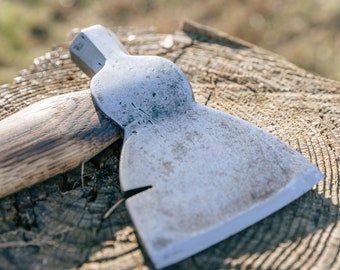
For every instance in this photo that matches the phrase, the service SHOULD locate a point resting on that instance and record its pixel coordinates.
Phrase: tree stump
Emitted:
(57, 225)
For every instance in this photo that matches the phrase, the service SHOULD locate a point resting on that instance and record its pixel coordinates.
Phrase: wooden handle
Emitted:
(51, 137)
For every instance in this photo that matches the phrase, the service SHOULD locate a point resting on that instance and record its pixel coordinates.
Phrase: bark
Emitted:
(58, 225)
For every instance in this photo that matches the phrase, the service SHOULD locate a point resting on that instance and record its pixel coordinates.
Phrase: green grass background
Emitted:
(304, 31)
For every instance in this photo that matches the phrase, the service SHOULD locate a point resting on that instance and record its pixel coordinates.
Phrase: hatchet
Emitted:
(202, 174)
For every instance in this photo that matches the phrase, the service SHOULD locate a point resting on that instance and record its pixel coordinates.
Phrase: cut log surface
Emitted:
(58, 225)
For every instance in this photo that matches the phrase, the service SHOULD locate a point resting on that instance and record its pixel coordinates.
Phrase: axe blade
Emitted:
(210, 174)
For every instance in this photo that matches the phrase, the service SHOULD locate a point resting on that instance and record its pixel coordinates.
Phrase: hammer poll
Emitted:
(204, 174)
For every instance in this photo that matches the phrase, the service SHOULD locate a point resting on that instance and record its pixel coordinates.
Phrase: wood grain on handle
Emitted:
(50, 137)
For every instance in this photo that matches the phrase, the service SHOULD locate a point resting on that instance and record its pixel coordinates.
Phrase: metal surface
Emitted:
(210, 174)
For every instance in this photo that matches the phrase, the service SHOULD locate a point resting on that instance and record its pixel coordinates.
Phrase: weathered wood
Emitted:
(56, 225)
(51, 137)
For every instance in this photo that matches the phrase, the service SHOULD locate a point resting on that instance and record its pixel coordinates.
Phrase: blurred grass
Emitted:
(304, 31)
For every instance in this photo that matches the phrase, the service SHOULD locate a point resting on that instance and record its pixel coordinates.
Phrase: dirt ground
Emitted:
(305, 31)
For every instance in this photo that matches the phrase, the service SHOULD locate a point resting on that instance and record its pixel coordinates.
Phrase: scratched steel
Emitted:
(210, 174)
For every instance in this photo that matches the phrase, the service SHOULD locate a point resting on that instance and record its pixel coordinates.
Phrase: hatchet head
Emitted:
(209, 174)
